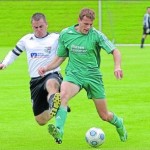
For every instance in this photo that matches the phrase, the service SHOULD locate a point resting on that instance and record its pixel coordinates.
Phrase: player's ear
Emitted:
(32, 27)
(79, 19)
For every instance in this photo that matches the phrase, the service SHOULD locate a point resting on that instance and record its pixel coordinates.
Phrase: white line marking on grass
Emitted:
(132, 45)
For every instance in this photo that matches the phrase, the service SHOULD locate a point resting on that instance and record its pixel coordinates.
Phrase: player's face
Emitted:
(148, 10)
(40, 28)
(85, 25)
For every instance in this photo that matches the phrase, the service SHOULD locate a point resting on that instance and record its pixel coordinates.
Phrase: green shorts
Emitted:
(91, 81)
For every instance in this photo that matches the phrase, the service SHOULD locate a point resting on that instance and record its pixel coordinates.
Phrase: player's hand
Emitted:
(147, 30)
(42, 71)
(2, 66)
(118, 73)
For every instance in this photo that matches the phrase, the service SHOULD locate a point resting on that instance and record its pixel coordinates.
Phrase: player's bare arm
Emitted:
(117, 64)
(57, 61)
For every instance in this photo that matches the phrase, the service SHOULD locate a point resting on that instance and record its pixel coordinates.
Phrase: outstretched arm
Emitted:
(2, 66)
(56, 62)
(117, 64)
(9, 59)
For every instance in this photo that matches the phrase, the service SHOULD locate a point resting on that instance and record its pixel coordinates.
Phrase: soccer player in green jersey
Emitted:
(82, 44)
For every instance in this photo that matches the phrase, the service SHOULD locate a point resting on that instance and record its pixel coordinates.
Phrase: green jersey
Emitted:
(83, 50)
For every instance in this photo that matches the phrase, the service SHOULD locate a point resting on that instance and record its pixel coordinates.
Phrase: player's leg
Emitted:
(52, 85)
(39, 100)
(53, 97)
(143, 37)
(68, 90)
(111, 118)
(143, 40)
(95, 90)
(43, 117)
(39, 94)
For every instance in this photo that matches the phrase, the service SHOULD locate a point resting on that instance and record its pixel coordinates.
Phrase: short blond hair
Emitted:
(89, 13)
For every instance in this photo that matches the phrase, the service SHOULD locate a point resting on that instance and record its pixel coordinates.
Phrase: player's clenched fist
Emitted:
(2, 66)
(42, 71)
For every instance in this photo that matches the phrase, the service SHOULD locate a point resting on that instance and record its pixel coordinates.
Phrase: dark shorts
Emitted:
(39, 93)
(144, 31)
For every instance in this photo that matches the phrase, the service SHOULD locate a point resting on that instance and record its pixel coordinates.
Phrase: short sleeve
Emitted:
(105, 43)
(62, 51)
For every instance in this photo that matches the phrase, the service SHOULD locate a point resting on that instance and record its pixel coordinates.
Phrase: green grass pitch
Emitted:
(129, 97)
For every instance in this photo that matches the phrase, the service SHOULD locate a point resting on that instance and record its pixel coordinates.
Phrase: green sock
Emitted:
(116, 121)
(61, 118)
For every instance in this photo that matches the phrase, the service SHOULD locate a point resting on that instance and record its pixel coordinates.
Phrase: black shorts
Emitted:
(39, 93)
(144, 31)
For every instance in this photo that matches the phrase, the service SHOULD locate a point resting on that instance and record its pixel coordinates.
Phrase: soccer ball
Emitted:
(95, 137)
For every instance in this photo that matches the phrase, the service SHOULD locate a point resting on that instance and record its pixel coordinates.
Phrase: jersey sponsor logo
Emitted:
(47, 50)
(39, 55)
(78, 49)
(33, 55)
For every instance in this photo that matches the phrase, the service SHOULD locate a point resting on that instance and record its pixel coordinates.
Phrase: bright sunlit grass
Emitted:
(129, 98)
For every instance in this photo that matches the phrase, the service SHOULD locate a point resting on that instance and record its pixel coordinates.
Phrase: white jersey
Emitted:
(146, 21)
(40, 51)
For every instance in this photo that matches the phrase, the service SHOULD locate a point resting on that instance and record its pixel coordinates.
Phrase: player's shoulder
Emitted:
(98, 35)
(67, 30)
(146, 15)
(95, 31)
(28, 36)
(53, 35)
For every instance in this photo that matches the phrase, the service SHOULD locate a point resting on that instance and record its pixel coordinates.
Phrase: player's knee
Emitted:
(41, 123)
(104, 117)
(52, 85)
(40, 120)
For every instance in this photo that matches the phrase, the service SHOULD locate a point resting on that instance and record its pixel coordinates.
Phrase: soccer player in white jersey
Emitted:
(146, 26)
(40, 47)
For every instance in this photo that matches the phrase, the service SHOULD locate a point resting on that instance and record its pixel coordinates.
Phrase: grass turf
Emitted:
(121, 20)
(129, 98)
